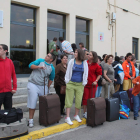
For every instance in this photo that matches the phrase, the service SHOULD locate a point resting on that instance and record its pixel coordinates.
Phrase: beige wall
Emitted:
(127, 24)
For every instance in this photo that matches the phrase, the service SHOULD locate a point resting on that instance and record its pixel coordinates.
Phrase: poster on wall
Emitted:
(101, 36)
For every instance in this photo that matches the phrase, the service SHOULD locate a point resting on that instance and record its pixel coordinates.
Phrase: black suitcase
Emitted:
(49, 109)
(96, 111)
(123, 98)
(112, 108)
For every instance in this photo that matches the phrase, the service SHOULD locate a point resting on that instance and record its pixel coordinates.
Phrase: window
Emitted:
(82, 32)
(135, 47)
(56, 26)
(22, 37)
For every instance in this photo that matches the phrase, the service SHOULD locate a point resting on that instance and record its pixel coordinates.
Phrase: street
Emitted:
(116, 130)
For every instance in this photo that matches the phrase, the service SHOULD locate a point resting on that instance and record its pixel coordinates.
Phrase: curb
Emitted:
(50, 131)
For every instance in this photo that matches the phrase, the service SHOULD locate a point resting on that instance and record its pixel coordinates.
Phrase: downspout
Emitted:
(115, 27)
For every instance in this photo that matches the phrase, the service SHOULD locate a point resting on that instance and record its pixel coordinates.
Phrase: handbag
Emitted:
(63, 90)
(103, 81)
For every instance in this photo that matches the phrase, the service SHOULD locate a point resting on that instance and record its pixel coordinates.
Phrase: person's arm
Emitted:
(14, 79)
(97, 79)
(98, 73)
(34, 64)
(51, 51)
(136, 80)
(106, 77)
(49, 83)
(125, 72)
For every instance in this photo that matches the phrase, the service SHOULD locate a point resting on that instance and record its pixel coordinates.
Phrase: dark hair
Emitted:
(104, 56)
(5, 47)
(99, 58)
(95, 56)
(63, 56)
(81, 54)
(61, 39)
(108, 56)
(122, 57)
(128, 54)
(53, 56)
(117, 58)
(74, 46)
(133, 58)
(54, 39)
(82, 44)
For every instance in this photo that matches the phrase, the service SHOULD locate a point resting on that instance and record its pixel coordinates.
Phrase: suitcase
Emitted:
(49, 109)
(112, 108)
(96, 111)
(123, 98)
(13, 130)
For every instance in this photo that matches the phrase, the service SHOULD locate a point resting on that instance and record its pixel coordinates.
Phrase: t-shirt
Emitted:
(52, 45)
(77, 74)
(102, 63)
(130, 69)
(66, 46)
(110, 71)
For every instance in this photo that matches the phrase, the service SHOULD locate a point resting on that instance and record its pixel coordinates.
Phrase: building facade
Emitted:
(105, 26)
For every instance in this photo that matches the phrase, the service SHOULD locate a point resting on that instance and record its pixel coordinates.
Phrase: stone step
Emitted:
(22, 99)
(24, 91)
(24, 107)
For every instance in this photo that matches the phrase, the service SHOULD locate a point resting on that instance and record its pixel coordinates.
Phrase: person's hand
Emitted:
(13, 91)
(131, 78)
(137, 83)
(72, 53)
(42, 67)
(115, 80)
(110, 81)
(94, 83)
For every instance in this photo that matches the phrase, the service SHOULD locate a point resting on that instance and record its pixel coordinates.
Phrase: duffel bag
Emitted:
(13, 130)
(10, 116)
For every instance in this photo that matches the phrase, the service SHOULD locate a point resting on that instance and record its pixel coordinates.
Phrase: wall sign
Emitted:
(101, 36)
(1, 18)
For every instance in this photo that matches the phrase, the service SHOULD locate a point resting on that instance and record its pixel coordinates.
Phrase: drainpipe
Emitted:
(115, 27)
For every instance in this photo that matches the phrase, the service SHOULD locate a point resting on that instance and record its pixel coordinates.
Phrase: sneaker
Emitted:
(77, 118)
(68, 121)
(85, 115)
(31, 123)
(135, 118)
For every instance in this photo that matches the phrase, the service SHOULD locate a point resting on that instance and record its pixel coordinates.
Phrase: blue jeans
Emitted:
(136, 105)
(98, 91)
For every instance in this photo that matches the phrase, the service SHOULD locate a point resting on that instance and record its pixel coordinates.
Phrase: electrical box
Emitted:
(113, 16)
(1, 18)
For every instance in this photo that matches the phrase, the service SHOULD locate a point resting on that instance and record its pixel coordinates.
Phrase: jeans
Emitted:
(136, 106)
(98, 91)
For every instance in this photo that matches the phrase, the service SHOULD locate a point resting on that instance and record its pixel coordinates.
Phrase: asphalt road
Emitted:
(116, 130)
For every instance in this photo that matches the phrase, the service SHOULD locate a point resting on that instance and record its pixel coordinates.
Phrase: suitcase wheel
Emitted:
(101, 123)
(57, 121)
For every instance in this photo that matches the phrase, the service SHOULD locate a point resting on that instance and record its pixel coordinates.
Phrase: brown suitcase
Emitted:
(49, 108)
(96, 111)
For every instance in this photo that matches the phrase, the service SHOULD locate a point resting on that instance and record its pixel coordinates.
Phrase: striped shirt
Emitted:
(66, 46)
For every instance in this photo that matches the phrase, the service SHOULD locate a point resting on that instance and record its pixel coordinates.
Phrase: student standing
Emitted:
(76, 79)
(94, 74)
(41, 68)
(7, 72)
(129, 71)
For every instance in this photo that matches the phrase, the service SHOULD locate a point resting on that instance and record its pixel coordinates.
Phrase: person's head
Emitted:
(117, 58)
(81, 45)
(122, 58)
(93, 56)
(73, 45)
(104, 56)
(79, 55)
(109, 59)
(55, 39)
(86, 54)
(50, 57)
(128, 57)
(64, 59)
(99, 60)
(133, 59)
(3, 50)
(61, 39)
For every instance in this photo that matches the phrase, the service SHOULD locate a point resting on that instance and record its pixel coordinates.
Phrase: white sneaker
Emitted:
(31, 123)
(77, 118)
(85, 115)
(68, 121)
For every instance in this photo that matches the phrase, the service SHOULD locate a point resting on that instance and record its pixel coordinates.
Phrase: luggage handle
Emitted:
(44, 84)
(108, 90)
(92, 90)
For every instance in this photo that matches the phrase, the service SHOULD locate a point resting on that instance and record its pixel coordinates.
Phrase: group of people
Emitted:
(84, 74)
